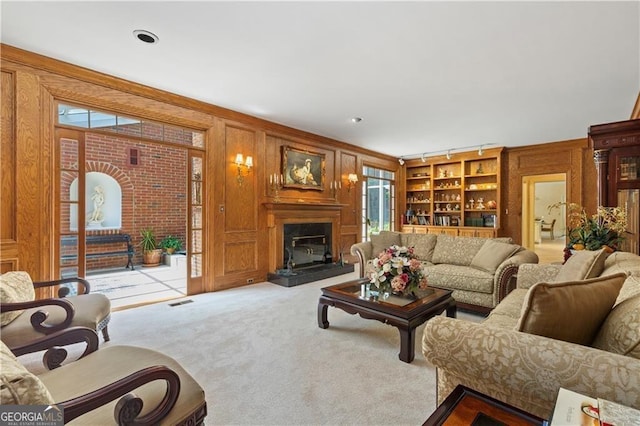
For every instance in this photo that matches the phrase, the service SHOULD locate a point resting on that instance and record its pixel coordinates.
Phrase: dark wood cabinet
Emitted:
(616, 152)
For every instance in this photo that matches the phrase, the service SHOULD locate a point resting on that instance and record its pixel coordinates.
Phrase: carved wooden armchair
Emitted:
(23, 318)
(548, 227)
(115, 385)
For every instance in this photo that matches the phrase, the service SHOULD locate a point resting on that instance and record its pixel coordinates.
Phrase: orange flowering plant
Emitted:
(397, 270)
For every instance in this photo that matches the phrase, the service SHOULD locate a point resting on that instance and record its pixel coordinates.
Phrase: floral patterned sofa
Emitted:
(526, 368)
(478, 270)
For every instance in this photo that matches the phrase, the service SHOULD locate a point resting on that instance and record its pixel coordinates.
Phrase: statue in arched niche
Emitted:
(97, 216)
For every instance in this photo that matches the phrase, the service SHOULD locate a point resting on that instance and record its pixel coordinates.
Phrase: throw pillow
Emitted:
(492, 254)
(423, 245)
(17, 385)
(382, 241)
(456, 250)
(571, 311)
(15, 286)
(620, 332)
(582, 265)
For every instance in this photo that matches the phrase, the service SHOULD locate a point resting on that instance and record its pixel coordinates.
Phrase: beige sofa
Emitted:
(526, 370)
(478, 270)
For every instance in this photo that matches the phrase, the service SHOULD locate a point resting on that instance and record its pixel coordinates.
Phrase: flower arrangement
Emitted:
(605, 228)
(397, 270)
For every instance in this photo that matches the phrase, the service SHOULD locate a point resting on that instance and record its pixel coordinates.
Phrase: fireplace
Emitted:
(301, 238)
(306, 244)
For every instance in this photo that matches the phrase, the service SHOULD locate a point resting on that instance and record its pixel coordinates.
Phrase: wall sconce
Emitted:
(353, 179)
(242, 162)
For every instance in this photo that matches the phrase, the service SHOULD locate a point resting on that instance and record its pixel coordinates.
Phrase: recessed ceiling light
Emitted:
(146, 36)
(356, 119)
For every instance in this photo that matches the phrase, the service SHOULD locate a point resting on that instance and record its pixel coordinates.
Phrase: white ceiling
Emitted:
(424, 76)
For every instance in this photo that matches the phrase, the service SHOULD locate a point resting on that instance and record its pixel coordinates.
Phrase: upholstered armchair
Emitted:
(113, 385)
(23, 318)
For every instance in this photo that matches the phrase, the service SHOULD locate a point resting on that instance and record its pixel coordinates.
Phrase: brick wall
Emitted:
(153, 192)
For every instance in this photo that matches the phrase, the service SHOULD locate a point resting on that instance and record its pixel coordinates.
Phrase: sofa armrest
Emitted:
(364, 252)
(530, 274)
(522, 369)
(506, 273)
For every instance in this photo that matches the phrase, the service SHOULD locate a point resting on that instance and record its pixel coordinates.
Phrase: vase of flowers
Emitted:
(397, 270)
(604, 229)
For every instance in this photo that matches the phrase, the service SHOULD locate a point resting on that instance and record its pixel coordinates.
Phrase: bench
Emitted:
(71, 240)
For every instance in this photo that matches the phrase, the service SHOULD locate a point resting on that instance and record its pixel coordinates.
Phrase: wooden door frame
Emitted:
(528, 203)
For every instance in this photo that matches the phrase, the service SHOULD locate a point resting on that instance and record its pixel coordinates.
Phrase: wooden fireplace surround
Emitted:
(279, 214)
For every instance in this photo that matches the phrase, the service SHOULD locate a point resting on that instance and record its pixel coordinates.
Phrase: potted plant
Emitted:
(151, 254)
(604, 229)
(171, 244)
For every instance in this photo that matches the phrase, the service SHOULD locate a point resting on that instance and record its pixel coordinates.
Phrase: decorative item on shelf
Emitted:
(397, 270)
(471, 203)
(491, 204)
(442, 173)
(479, 171)
(473, 186)
(352, 180)
(480, 204)
(241, 163)
(604, 229)
(275, 182)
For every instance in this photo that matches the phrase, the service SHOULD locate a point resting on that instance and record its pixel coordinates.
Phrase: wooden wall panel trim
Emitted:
(568, 157)
(7, 161)
(43, 63)
(29, 174)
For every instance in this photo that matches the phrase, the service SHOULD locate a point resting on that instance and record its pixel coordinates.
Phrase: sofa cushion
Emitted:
(423, 244)
(572, 311)
(492, 254)
(456, 277)
(17, 385)
(15, 287)
(456, 250)
(582, 265)
(382, 241)
(620, 332)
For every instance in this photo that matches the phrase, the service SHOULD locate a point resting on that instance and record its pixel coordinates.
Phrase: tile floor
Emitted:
(143, 285)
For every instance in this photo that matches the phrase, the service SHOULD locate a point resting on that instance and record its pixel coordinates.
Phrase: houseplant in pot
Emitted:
(171, 244)
(151, 254)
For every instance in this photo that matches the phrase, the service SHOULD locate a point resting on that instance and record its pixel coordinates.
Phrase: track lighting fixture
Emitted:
(446, 152)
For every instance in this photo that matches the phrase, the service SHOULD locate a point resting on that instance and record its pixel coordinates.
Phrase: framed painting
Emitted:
(302, 169)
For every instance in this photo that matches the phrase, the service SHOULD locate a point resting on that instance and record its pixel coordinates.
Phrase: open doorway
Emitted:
(543, 229)
(119, 178)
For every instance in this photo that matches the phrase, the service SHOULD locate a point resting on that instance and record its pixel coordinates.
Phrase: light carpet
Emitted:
(262, 359)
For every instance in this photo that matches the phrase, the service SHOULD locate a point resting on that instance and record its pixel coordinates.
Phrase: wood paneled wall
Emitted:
(572, 157)
(236, 237)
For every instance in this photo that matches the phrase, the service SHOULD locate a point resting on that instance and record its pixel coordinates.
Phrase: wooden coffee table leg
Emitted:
(322, 315)
(407, 344)
(452, 310)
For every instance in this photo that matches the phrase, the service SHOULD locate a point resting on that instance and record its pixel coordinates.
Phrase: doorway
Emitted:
(543, 226)
(117, 177)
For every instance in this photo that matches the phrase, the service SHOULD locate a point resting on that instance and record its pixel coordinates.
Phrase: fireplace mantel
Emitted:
(279, 214)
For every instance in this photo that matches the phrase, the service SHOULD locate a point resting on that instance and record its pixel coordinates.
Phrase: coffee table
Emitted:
(465, 406)
(404, 313)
